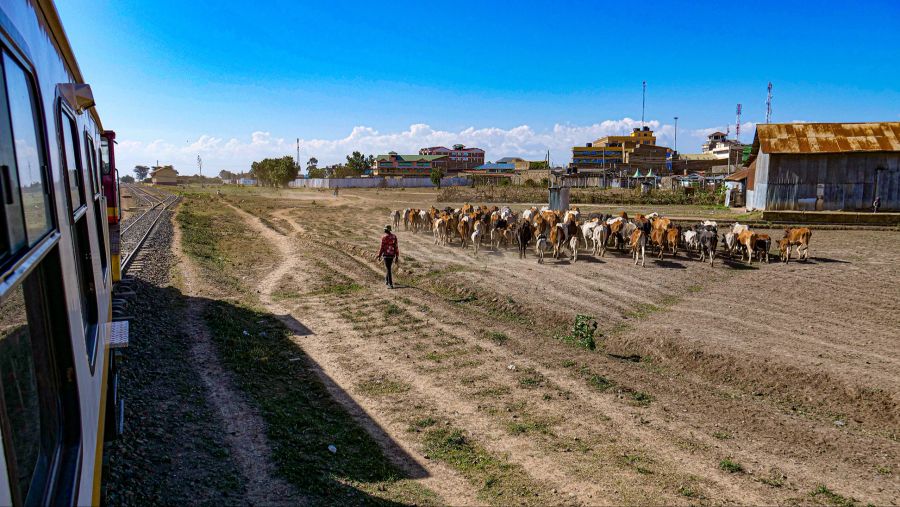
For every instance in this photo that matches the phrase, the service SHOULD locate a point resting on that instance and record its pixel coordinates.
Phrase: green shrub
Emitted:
(582, 332)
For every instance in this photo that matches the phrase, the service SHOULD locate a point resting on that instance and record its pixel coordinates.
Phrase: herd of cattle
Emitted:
(567, 230)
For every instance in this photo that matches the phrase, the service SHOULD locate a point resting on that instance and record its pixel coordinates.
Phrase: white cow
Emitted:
(587, 231)
(539, 247)
(691, 240)
(477, 234)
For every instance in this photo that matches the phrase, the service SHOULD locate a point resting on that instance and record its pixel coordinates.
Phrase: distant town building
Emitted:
(520, 164)
(824, 166)
(494, 168)
(459, 158)
(164, 175)
(719, 145)
(690, 163)
(394, 165)
(613, 151)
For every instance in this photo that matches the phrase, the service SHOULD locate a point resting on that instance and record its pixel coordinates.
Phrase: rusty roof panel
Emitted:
(828, 137)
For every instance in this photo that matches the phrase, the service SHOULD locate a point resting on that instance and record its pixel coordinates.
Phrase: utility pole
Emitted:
(769, 103)
(643, 101)
(675, 148)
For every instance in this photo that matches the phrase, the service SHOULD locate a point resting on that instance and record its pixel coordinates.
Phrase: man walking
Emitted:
(388, 251)
(876, 204)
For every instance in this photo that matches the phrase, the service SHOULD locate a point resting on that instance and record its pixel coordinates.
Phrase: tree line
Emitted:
(279, 172)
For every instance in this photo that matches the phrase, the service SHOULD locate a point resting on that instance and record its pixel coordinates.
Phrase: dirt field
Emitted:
(733, 384)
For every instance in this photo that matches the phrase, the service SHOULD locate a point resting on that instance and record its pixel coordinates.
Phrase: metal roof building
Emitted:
(824, 166)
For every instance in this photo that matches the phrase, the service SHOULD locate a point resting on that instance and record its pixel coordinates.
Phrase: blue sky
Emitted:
(239, 81)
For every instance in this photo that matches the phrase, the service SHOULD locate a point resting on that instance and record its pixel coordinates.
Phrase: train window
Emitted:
(104, 155)
(99, 210)
(20, 389)
(23, 175)
(84, 268)
(91, 158)
(38, 392)
(72, 162)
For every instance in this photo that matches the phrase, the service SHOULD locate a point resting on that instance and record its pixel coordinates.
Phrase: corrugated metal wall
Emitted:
(756, 196)
(848, 180)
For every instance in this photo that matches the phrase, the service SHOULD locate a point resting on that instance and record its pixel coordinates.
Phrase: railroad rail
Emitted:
(139, 228)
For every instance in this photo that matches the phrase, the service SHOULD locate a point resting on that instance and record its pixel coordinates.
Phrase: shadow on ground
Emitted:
(319, 445)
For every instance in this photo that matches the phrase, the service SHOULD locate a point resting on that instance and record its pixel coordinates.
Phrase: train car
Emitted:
(56, 268)
(109, 180)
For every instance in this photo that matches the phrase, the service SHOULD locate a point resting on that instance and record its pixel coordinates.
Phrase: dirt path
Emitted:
(245, 430)
(389, 434)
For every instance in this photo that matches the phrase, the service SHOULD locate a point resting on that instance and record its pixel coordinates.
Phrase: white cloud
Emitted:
(237, 154)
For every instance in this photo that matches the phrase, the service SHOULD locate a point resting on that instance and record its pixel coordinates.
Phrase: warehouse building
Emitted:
(824, 166)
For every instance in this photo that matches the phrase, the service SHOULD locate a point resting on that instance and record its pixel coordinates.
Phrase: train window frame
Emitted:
(88, 288)
(91, 173)
(9, 53)
(66, 119)
(97, 201)
(60, 443)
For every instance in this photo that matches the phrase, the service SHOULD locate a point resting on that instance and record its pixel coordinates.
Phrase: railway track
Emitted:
(139, 229)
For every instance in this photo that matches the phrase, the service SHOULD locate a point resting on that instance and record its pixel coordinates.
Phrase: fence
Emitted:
(377, 182)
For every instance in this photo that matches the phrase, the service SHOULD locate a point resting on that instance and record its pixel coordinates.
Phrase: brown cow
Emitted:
(464, 228)
(672, 236)
(784, 248)
(638, 245)
(747, 239)
(658, 238)
(799, 237)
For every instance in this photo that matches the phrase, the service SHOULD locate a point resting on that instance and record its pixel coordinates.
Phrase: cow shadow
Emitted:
(590, 259)
(737, 264)
(823, 260)
(668, 264)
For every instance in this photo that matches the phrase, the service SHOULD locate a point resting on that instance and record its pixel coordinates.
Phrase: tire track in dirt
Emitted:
(245, 429)
(440, 479)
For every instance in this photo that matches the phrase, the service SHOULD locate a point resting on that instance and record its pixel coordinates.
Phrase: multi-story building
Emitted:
(519, 164)
(459, 158)
(611, 151)
(396, 165)
(719, 145)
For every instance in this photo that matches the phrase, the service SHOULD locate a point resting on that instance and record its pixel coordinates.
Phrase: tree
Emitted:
(315, 172)
(141, 171)
(311, 165)
(436, 175)
(275, 171)
(226, 175)
(345, 171)
(126, 179)
(359, 163)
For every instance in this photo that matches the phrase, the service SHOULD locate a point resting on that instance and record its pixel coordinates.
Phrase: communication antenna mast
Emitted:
(737, 126)
(298, 152)
(769, 104)
(200, 164)
(643, 101)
